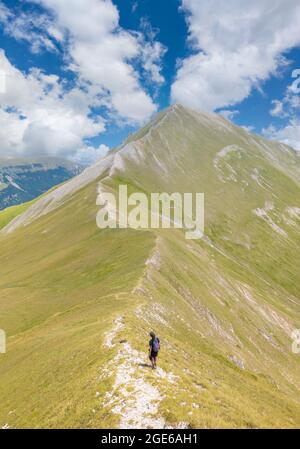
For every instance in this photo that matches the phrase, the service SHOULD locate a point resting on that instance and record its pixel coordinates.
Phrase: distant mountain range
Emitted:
(22, 180)
(77, 302)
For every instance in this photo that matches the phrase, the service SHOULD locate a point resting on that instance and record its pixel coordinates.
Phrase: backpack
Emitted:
(156, 345)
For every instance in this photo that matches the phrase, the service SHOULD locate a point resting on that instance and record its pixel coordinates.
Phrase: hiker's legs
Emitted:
(151, 360)
(152, 357)
(154, 362)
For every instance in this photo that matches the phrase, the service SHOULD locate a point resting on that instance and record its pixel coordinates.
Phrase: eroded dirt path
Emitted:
(133, 397)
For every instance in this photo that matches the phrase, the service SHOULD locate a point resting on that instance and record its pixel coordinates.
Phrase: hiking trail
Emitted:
(132, 397)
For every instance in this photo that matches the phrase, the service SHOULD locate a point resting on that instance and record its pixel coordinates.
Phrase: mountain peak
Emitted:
(179, 150)
(181, 109)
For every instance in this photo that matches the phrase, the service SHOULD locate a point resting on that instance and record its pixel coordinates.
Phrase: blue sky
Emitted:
(79, 79)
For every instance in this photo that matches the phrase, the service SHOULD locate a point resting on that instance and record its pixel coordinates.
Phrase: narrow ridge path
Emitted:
(132, 397)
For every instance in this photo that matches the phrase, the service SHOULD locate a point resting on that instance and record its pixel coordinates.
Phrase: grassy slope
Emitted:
(8, 214)
(188, 286)
(68, 281)
(56, 303)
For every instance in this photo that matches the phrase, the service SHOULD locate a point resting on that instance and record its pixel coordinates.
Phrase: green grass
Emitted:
(63, 282)
(8, 214)
(57, 301)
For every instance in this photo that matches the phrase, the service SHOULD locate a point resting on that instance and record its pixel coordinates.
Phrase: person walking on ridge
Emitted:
(154, 347)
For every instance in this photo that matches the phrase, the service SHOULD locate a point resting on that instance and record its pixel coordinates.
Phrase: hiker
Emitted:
(154, 347)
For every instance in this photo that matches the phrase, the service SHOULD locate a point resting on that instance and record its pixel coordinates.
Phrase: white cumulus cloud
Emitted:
(42, 114)
(277, 109)
(289, 134)
(237, 45)
(103, 54)
(287, 108)
(38, 116)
